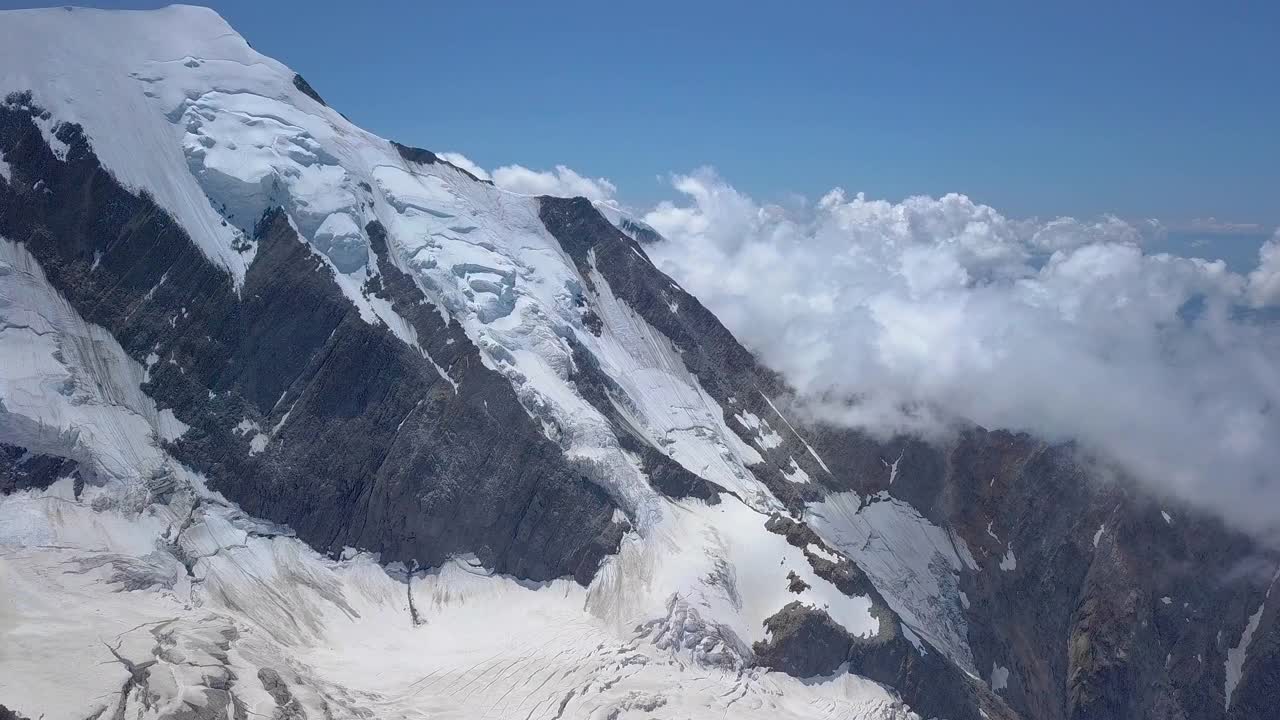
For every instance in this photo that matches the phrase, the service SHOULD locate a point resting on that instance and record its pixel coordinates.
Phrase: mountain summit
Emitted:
(299, 422)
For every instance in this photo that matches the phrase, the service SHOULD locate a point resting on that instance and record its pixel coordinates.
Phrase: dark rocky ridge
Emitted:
(1084, 631)
(375, 450)
(7, 714)
(806, 642)
(370, 446)
(24, 470)
(426, 157)
(665, 475)
(301, 83)
(725, 369)
(803, 642)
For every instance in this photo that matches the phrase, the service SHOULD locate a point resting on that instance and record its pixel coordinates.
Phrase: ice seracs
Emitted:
(232, 613)
(229, 613)
(118, 59)
(461, 316)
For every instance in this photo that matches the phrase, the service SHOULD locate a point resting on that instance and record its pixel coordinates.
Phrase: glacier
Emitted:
(169, 598)
(690, 546)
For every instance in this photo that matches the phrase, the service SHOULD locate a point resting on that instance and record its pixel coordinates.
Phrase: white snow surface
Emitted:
(67, 387)
(339, 633)
(1237, 655)
(912, 562)
(1009, 561)
(893, 468)
(118, 73)
(187, 109)
(664, 630)
(795, 473)
(999, 677)
(177, 104)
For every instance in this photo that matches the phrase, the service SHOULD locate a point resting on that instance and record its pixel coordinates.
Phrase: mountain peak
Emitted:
(319, 424)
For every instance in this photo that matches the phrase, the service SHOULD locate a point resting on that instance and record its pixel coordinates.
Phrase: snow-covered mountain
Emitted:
(296, 421)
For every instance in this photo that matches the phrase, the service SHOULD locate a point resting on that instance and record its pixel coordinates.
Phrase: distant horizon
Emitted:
(1103, 111)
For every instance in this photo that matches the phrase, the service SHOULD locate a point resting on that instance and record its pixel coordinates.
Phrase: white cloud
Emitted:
(1213, 226)
(465, 163)
(929, 310)
(562, 182)
(1069, 233)
(1264, 281)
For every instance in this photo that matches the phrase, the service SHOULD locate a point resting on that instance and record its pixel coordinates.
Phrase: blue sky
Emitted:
(1167, 110)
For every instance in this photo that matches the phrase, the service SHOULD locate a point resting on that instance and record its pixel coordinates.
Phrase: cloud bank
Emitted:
(916, 316)
(904, 317)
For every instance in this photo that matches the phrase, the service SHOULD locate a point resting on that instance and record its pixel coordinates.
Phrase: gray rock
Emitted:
(371, 447)
(23, 470)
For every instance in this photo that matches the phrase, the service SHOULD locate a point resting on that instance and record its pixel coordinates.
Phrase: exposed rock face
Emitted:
(1087, 602)
(426, 157)
(286, 707)
(23, 470)
(368, 445)
(7, 714)
(805, 642)
(1006, 576)
(726, 370)
(301, 83)
(1041, 589)
(934, 685)
(665, 474)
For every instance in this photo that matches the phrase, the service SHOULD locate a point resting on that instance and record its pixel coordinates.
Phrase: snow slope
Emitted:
(913, 563)
(187, 600)
(150, 566)
(218, 134)
(340, 634)
(98, 69)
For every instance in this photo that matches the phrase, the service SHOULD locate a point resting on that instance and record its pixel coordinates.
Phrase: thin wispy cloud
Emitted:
(1214, 226)
(465, 163)
(561, 181)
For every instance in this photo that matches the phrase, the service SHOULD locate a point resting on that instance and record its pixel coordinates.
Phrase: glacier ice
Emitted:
(187, 602)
